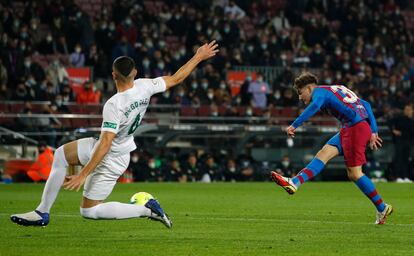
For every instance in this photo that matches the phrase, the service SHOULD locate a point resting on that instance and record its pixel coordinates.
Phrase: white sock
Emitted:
(54, 182)
(115, 210)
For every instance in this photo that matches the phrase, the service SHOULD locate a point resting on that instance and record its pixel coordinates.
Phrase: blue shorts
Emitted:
(336, 142)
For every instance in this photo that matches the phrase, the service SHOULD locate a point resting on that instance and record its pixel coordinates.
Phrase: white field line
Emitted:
(283, 222)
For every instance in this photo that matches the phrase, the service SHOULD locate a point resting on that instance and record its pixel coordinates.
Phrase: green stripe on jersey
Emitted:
(109, 125)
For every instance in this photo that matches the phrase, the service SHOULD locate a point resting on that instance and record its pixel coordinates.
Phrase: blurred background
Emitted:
(226, 121)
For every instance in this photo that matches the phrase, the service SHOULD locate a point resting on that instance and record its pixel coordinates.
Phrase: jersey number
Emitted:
(350, 95)
(135, 124)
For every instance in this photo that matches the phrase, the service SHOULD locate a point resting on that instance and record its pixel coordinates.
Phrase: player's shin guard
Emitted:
(310, 171)
(54, 182)
(368, 188)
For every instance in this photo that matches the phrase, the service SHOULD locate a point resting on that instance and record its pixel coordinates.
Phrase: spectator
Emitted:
(259, 90)
(284, 167)
(209, 170)
(402, 127)
(137, 167)
(231, 171)
(191, 168)
(174, 172)
(77, 58)
(88, 95)
(56, 72)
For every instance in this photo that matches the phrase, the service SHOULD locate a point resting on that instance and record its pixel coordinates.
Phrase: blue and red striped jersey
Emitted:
(340, 102)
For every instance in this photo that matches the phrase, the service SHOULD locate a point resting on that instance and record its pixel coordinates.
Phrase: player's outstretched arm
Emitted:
(104, 144)
(203, 53)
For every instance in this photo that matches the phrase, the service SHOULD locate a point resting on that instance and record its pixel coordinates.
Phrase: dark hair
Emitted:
(304, 79)
(123, 65)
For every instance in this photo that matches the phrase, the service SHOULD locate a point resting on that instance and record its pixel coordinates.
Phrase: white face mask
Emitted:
(151, 165)
(223, 86)
(134, 159)
(210, 95)
(285, 163)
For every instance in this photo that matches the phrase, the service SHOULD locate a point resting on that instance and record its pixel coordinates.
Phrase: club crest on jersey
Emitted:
(135, 105)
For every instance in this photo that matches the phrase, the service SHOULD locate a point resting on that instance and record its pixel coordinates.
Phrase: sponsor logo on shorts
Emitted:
(109, 125)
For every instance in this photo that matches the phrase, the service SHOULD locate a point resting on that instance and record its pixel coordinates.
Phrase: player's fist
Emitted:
(207, 51)
(290, 131)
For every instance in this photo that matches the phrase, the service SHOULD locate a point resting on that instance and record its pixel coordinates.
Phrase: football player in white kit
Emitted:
(105, 160)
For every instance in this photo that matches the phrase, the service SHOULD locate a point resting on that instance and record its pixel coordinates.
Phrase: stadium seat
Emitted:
(204, 111)
(80, 122)
(75, 109)
(4, 107)
(188, 111)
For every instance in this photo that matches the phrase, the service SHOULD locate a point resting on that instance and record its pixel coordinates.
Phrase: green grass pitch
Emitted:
(331, 218)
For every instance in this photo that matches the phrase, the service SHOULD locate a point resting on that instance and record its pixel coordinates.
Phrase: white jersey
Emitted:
(123, 112)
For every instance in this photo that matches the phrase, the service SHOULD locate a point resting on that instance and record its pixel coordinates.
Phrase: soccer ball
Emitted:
(141, 198)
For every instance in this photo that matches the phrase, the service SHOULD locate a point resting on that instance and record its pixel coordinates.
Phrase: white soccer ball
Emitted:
(141, 198)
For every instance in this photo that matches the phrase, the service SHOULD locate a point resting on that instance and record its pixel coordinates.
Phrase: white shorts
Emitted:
(101, 181)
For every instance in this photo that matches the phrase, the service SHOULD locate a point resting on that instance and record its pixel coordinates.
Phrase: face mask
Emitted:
(112, 27)
(232, 169)
(128, 22)
(198, 28)
(161, 65)
(27, 64)
(134, 159)
(250, 48)
(59, 103)
(209, 31)
(151, 165)
(145, 63)
(194, 85)
(23, 35)
(285, 163)
(182, 52)
(223, 86)
(210, 95)
(318, 51)
(49, 39)
(104, 26)
(34, 26)
(338, 52)
(181, 94)
(259, 79)
(249, 78)
(177, 16)
(167, 94)
(264, 46)
(249, 112)
(214, 113)
(346, 66)
(78, 15)
(328, 81)
(204, 85)
(238, 100)
(277, 95)
(226, 30)
(149, 44)
(161, 44)
(78, 50)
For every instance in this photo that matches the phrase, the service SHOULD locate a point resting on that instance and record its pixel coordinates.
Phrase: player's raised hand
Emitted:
(207, 51)
(74, 182)
(290, 131)
(375, 142)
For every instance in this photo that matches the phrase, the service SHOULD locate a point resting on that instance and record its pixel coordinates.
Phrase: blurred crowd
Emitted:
(202, 167)
(364, 44)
